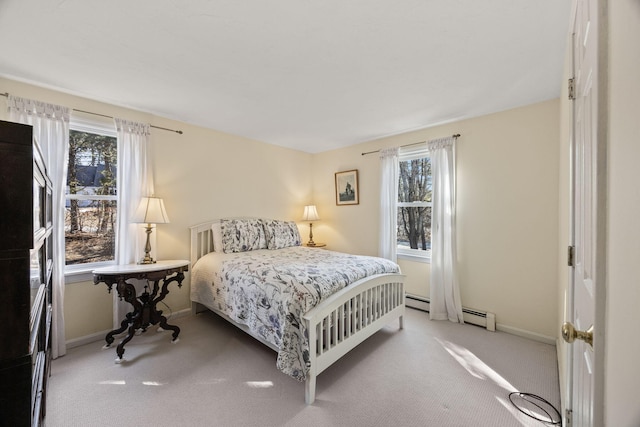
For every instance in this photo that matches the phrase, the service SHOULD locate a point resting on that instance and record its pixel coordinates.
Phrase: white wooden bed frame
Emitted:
(337, 324)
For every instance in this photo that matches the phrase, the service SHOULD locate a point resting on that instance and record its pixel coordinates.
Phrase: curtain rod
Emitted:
(6, 94)
(456, 135)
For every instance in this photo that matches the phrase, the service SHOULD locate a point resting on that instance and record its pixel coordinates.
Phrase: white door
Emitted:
(586, 223)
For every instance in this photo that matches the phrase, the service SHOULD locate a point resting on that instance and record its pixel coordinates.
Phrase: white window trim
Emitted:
(402, 252)
(76, 273)
(90, 197)
(416, 255)
(93, 125)
(416, 204)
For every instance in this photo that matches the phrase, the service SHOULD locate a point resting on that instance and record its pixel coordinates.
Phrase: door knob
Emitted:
(570, 334)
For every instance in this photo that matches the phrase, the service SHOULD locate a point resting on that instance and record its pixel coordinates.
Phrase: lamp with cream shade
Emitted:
(310, 214)
(150, 211)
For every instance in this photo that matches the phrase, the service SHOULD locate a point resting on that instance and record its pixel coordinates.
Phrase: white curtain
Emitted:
(388, 199)
(51, 130)
(135, 180)
(445, 293)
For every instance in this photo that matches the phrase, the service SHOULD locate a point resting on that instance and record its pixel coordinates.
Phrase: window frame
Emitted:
(402, 252)
(83, 272)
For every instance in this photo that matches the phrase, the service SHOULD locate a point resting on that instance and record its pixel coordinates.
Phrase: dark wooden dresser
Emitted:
(25, 277)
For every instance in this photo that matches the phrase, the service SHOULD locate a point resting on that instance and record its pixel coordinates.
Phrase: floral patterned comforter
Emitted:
(270, 290)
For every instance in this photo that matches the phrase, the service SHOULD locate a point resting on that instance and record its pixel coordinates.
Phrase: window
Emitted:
(91, 193)
(414, 204)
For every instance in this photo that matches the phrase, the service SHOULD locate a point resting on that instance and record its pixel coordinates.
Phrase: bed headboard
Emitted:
(202, 236)
(201, 240)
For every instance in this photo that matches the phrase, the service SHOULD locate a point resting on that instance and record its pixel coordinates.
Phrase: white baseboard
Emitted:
(526, 334)
(87, 339)
(479, 318)
(475, 317)
(99, 336)
(420, 304)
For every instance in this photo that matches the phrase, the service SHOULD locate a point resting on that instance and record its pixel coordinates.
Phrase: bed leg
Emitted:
(310, 389)
(401, 321)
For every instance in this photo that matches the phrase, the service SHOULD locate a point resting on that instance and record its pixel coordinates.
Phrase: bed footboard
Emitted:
(347, 318)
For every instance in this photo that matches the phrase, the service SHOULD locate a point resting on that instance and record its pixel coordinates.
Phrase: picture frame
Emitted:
(347, 189)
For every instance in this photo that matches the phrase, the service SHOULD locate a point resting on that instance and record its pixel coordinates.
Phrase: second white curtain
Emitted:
(444, 289)
(135, 180)
(388, 199)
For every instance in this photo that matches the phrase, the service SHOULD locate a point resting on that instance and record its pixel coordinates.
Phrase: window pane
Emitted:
(414, 228)
(92, 164)
(415, 180)
(90, 224)
(89, 231)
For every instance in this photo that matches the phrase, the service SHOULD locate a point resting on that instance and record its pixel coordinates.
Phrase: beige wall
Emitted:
(507, 212)
(202, 175)
(507, 201)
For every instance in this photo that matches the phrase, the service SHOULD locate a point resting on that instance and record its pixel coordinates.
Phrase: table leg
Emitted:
(120, 348)
(125, 323)
(157, 314)
(128, 292)
(175, 329)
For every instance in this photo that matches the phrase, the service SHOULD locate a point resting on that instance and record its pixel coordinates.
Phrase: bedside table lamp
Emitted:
(310, 214)
(150, 211)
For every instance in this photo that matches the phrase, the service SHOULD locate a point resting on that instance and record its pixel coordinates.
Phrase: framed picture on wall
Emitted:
(347, 191)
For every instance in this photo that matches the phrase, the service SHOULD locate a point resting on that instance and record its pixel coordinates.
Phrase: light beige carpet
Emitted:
(428, 374)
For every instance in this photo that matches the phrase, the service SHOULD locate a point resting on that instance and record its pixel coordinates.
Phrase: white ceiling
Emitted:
(313, 75)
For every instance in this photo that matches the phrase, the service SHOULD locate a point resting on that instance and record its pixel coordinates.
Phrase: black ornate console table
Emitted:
(144, 311)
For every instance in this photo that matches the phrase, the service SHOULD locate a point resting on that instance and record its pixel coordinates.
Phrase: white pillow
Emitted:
(216, 231)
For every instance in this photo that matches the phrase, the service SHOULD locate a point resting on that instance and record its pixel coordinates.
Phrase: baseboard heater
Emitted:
(474, 317)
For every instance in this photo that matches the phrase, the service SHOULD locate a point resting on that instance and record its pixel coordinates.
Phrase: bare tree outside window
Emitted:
(90, 211)
(414, 204)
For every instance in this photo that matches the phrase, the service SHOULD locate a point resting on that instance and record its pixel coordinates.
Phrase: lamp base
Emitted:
(147, 248)
(311, 242)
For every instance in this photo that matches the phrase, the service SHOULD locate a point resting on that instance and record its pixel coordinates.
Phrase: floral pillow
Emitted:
(241, 235)
(281, 234)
